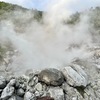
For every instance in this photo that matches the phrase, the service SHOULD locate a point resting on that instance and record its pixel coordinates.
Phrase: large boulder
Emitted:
(75, 76)
(51, 76)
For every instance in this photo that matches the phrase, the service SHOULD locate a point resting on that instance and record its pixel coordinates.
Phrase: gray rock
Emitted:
(56, 93)
(30, 89)
(2, 82)
(38, 94)
(19, 98)
(38, 87)
(20, 92)
(7, 92)
(35, 79)
(12, 98)
(75, 76)
(1, 91)
(72, 93)
(23, 86)
(31, 82)
(29, 96)
(90, 93)
(12, 82)
(51, 76)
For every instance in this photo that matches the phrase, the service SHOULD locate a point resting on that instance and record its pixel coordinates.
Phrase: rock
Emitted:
(1, 91)
(12, 98)
(2, 82)
(23, 86)
(38, 87)
(19, 98)
(7, 92)
(35, 79)
(72, 93)
(56, 93)
(51, 76)
(31, 82)
(75, 98)
(12, 82)
(75, 76)
(29, 96)
(38, 94)
(20, 92)
(30, 89)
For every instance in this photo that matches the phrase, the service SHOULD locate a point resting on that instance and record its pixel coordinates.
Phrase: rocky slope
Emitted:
(74, 82)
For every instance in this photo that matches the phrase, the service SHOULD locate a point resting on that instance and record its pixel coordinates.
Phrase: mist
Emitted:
(52, 44)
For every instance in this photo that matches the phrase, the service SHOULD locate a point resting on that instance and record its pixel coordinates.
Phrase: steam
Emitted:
(52, 44)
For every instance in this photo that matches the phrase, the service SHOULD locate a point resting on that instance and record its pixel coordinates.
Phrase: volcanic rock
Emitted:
(75, 76)
(51, 77)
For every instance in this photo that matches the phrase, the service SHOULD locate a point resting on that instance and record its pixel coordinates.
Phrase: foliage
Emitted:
(74, 18)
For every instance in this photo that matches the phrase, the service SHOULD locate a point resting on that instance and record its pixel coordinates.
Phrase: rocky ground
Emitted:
(78, 81)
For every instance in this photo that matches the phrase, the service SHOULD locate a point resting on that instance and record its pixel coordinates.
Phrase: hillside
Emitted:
(7, 10)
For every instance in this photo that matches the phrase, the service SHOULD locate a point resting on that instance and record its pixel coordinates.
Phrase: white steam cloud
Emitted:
(52, 44)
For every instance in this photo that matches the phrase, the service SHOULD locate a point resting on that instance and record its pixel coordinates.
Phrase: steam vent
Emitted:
(49, 55)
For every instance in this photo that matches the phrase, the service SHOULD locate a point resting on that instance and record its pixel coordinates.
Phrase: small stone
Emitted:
(2, 82)
(74, 98)
(20, 92)
(56, 93)
(12, 98)
(29, 96)
(19, 98)
(1, 91)
(38, 94)
(35, 79)
(12, 82)
(31, 82)
(38, 87)
(23, 86)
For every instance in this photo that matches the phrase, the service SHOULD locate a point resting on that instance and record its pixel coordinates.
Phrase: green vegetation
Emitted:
(9, 9)
(74, 19)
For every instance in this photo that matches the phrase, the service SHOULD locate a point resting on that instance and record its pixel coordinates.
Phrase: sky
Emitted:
(78, 5)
